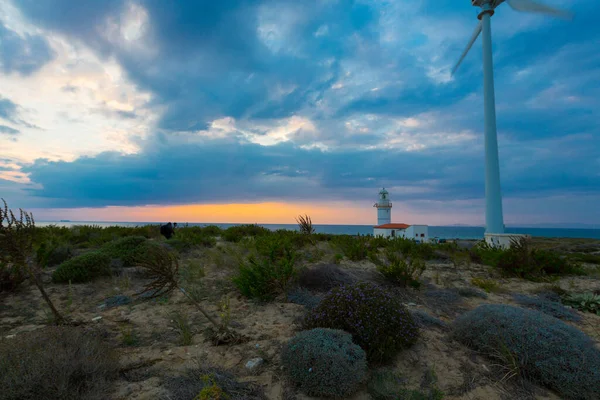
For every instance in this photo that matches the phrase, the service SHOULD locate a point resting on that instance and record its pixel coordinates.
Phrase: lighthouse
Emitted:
(384, 208)
(385, 228)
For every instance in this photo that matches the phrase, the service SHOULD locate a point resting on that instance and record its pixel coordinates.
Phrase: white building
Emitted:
(387, 229)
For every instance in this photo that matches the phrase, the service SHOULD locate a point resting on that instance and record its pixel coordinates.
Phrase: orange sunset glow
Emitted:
(266, 213)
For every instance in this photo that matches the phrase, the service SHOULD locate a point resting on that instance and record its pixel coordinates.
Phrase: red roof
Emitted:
(392, 226)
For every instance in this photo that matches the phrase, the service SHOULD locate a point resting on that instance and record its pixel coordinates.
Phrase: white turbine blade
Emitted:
(464, 54)
(532, 6)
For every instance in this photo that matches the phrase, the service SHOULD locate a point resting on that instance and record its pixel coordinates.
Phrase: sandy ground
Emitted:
(157, 352)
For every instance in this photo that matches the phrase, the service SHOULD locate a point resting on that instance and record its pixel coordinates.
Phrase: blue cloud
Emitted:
(8, 110)
(23, 54)
(225, 171)
(354, 69)
(7, 130)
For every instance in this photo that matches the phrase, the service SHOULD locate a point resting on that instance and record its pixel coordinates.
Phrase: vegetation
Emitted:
(400, 271)
(489, 285)
(207, 382)
(388, 385)
(324, 362)
(51, 254)
(182, 326)
(589, 302)
(547, 305)
(305, 225)
(377, 320)
(471, 292)
(355, 248)
(304, 297)
(324, 277)
(163, 268)
(127, 249)
(215, 274)
(83, 268)
(524, 261)
(535, 346)
(17, 236)
(269, 271)
(238, 232)
(56, 363)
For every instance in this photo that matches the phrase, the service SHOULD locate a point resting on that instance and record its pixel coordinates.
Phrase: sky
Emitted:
(261, 110)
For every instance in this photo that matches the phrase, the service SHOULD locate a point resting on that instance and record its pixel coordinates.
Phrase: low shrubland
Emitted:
(389, 385)
(398, 270)
(548, 305)
(83, 268)
(533, 345)
(210, 383)
(323, 277)
(56, 363)
(588, 302)
(268, 270)
(377, 320)
(324, 363)
(524, 261)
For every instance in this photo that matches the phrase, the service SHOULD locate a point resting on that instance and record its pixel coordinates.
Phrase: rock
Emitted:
(254, 363)
(96, 319)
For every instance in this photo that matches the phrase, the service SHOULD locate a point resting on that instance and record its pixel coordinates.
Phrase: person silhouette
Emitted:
(167, 230)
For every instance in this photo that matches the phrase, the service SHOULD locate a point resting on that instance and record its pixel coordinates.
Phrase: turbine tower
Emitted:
(494, 221)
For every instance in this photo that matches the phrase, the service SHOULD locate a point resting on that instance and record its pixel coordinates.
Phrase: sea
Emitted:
(442, 232)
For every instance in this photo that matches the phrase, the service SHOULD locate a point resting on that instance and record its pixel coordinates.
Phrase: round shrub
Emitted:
(125, 249)
(59, 255)
(377, 319)
(56, 363)
(324, 277)
(325, 362)
(543, 348)
(83, 268)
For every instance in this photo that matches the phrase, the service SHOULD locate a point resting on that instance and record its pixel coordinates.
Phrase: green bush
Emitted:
(411, 248)
(50, 254)
(238, 232)
(388, 385)
(56, 363)
(400, 271)
(83, 268)
(212, 383)
(483, 253)
(324, 277)
(355, 248)
(523, 261)
(325, 362)
(212, 230)
(125, 249)
(589, 302)
(535, 346)
(269, 271)
(377, 319)
(11, 276)
(187, 238)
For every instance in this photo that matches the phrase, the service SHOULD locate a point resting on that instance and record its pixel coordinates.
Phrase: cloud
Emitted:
(22, 54)
(11, 112)
(191, 170)
(8, 110)
(255, 100)
(7, 130)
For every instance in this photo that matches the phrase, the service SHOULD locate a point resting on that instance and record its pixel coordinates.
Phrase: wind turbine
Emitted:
(494, 223)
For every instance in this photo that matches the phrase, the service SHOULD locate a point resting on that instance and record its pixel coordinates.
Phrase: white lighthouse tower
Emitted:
(384, 208)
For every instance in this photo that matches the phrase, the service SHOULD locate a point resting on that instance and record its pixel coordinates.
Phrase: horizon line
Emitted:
(584, 226)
